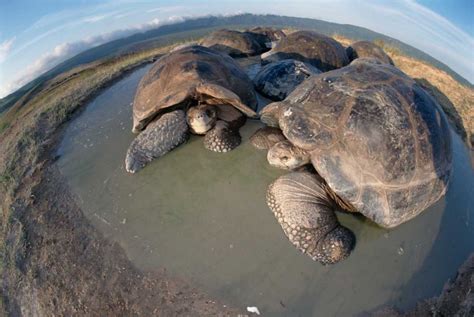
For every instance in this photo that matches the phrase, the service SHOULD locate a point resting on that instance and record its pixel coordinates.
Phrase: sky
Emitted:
(37, 35)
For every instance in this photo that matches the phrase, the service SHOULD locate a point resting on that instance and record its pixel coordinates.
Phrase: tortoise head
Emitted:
(201, 118)
(270, 115)
(287, 156)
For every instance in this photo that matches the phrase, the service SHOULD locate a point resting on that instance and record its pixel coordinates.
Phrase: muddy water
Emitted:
(203, 216)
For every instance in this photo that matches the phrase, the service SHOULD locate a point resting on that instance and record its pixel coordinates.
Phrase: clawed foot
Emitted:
(222, 138)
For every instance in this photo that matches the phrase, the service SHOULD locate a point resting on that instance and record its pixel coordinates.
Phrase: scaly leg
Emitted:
(222, 138)
(159, 137)
(307, 217)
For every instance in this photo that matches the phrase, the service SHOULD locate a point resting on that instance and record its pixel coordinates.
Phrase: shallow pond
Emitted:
(203, 216)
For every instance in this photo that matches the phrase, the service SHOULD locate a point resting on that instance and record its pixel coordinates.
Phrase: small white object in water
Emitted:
(400, 251)
(124, 221)
(287, 113)
(253, 309)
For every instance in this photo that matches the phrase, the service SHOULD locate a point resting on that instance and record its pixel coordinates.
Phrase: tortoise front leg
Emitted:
(159, 137)
(222, 138)
(307, 217)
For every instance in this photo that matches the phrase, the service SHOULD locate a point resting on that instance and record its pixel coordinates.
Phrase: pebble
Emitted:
(253, 309)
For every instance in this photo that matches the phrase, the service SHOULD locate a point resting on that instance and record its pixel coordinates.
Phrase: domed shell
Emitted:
(266, 36)
(277, 80)
(192, 74)
(234, 43)
(379, 140)
(316, 49)
(367, 49)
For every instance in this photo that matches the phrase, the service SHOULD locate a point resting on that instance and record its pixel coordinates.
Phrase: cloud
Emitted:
(38, 38)
(95, 18)
(428, 31)
(166, 9)
(45, 62)
(5, 48)
(63, 20)
(66, 50)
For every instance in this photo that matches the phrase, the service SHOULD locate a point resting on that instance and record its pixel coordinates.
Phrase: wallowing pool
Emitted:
(203, 216)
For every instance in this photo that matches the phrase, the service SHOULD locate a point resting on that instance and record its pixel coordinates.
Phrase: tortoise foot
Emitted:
(221, 138)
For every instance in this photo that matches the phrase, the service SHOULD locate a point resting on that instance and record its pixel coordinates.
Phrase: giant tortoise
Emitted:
(235, 43)
(193, 88)
(319, 50)
(367, 49)
(380, 146)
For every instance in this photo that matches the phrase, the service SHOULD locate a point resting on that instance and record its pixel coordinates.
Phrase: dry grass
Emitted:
(456, 99)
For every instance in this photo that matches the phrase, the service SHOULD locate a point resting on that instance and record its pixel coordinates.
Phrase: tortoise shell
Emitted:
(192, 74)
(234, 43)
(367, 49)
(377, 138)
(277, 80)
(266, 36)
(316, 49)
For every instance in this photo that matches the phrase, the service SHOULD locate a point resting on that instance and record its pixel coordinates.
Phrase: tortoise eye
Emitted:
(208, 113)
(284, 158)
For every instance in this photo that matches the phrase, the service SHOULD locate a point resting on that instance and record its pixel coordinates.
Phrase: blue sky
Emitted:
(37, 35)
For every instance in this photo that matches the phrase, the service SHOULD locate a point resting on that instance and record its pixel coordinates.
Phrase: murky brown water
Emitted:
(203, 216)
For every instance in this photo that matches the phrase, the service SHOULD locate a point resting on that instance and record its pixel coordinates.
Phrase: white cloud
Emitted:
(166, 9)
(95, 18)
(428, 31)
(45, 62)
(38, 38)
(63, 20)
(66, 50)
(5, 48)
